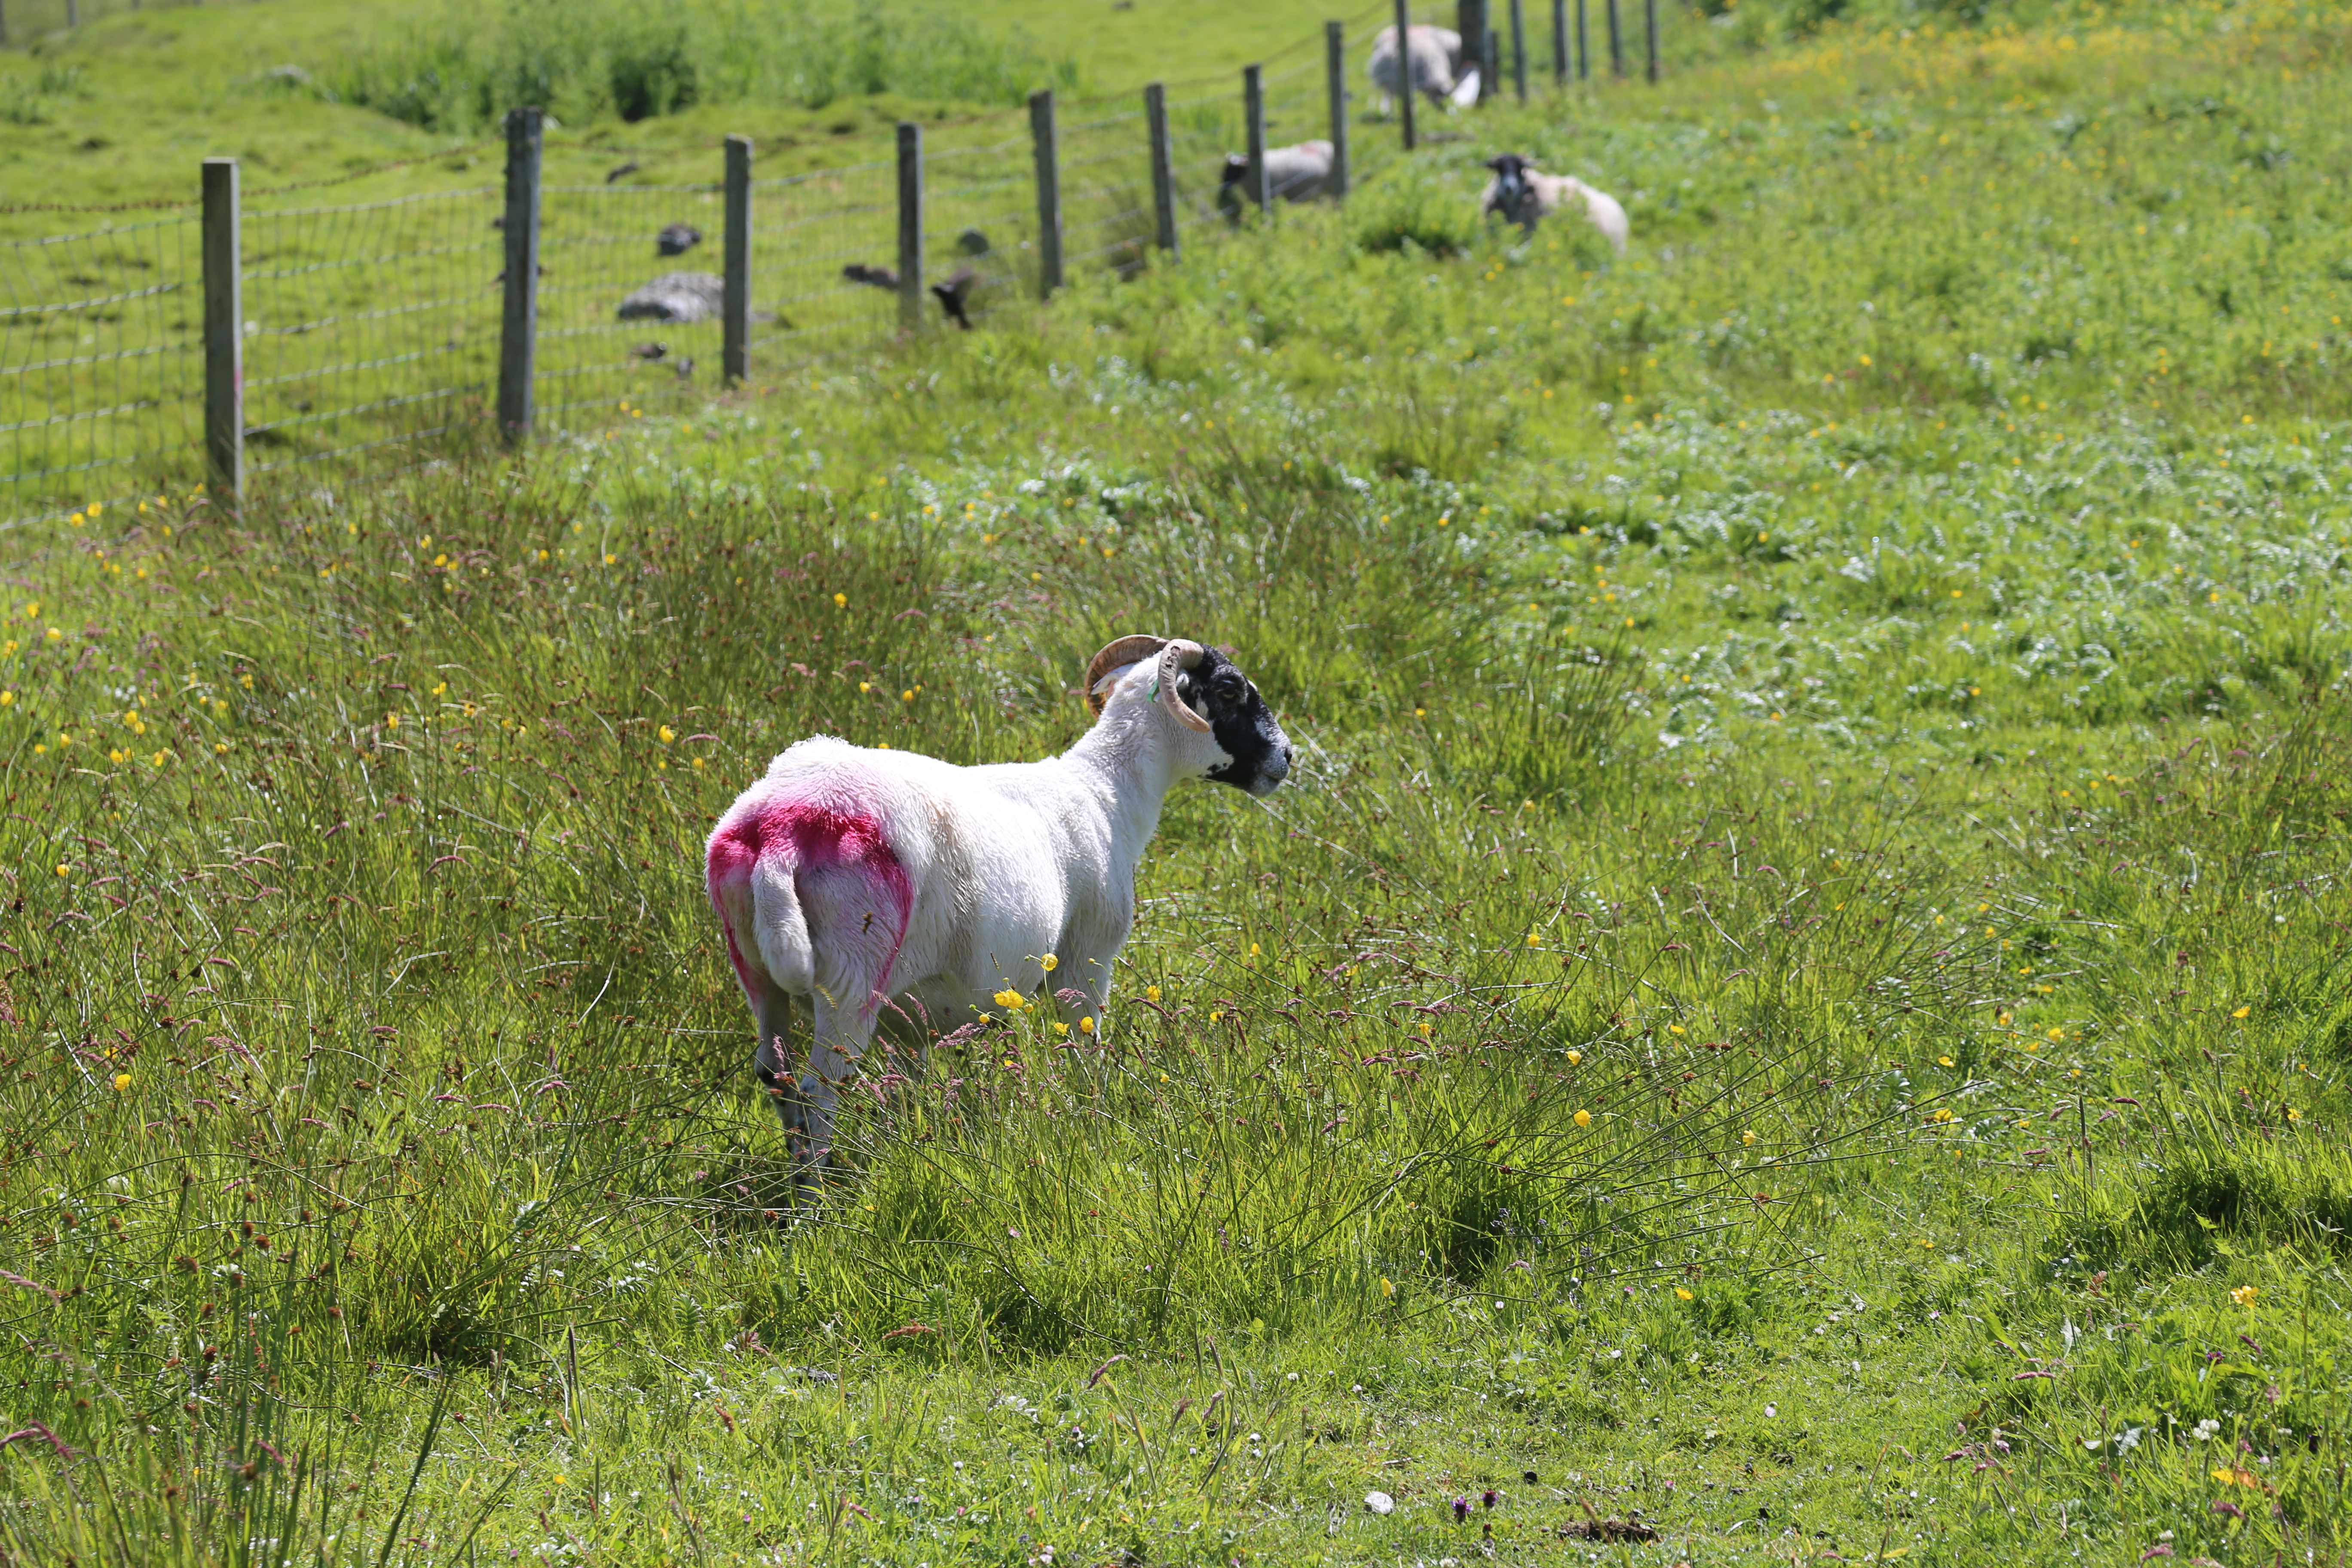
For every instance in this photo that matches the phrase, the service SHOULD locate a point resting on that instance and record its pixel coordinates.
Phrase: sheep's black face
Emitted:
(1242, 724)
(1510, 184)
(1236, 170)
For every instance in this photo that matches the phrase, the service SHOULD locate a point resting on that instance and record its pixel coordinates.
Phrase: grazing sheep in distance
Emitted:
(1522, 194)
(1436, 66)
(678, 238)
(1294, 173)
(885, 889)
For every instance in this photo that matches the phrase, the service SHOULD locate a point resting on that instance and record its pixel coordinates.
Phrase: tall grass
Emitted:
(460, 71)
(1799, 959)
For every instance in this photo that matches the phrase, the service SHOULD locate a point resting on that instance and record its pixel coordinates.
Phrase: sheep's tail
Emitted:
(751, 873)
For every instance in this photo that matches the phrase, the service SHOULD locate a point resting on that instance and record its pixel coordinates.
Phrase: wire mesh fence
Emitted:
(628, 297)
(100, 363)
(367, 325)
(24, 21)
(373, 326)
(805, 230)
(981, 214)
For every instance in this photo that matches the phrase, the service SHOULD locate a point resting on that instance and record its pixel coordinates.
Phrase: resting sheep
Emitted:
(866, 882)
(1522, 194)
(1436, 66)
(677, 297)
(1294, 174)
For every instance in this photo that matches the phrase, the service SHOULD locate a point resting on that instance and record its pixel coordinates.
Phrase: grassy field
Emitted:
(304, 90)
(1793, 1004)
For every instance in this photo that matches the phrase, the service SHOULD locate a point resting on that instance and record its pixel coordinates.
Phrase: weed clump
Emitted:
(460, 72)
(2217, 1200)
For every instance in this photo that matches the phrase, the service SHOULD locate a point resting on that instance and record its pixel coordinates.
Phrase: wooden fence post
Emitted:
(1470, 21)
(735, 307)
(1650, 32)
(1616, 43)
(224, 331)
(1583, 46)
(1559, 61)
(1490, 76)
(73, 13)
(519, 321)
(910, 224)
(1163, 168)
(1520, 48)
(1404, 68)
(1254, 184)
(1335, 73)
(1049, 193)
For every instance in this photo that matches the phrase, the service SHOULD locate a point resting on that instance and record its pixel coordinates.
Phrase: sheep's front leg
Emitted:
(1085, 995)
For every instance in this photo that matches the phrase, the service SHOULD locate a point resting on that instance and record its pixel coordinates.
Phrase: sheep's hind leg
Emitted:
(836, 1042)
(772, 1065)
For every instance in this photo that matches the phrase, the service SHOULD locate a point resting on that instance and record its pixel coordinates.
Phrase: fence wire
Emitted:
(606, 248)
(28, 21)
(980, 212)
(102, 364)
(368, 325)
(375, 325)
(805, 229)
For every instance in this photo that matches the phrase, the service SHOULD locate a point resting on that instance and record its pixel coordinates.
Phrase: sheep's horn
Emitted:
(1126, 650)
(1176, 658)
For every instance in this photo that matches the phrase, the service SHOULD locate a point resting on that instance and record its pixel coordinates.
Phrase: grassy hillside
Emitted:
(304, 90)
(1793, 1003)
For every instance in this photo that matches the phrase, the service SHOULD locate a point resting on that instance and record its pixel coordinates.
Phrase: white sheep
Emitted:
(1436, 66)
(1294, 174)
(1522, 194)
(888, 889)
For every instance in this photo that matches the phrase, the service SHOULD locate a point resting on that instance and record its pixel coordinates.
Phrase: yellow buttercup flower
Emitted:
(1583, 1118)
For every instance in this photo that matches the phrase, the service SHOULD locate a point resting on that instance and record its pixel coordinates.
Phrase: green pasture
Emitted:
(1793, 1008)
(306, 91)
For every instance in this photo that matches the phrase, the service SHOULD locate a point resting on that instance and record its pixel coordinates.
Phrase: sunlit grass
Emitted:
(1797, 971)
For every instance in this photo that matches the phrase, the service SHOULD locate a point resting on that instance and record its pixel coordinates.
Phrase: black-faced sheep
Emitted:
(1522, 193)
(884, 889)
